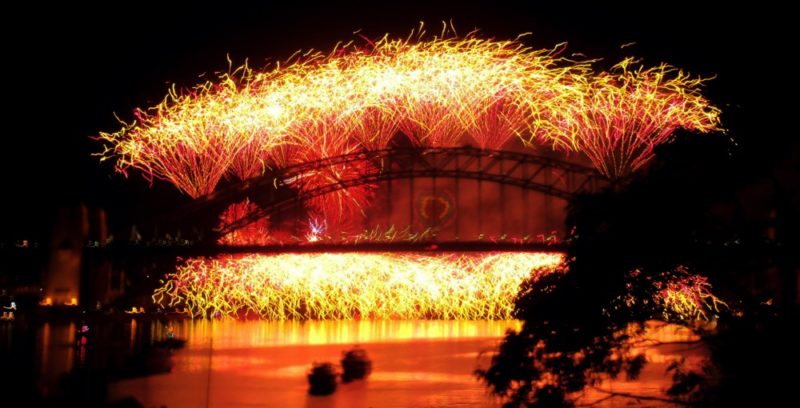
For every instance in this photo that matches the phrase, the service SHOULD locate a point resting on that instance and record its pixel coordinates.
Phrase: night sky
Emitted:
(68, 69)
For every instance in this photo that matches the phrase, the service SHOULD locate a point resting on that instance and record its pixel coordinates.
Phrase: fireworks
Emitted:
(623, 115)
(687, 296)
(439, 92)
(255, 233)
(355, 285)
(321, 106)
(389, 286)
(676, 295)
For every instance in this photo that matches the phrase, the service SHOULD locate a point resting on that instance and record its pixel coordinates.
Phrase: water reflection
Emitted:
(230, 363)
(56, 356)
(234, 334)
(263, 363)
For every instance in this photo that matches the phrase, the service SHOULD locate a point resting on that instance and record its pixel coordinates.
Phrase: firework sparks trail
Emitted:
(316, 229)
(255, 233)
(354, 285)
(626, 113)
(435, 91)
(388, 286)
(687, 296)
(439, 92)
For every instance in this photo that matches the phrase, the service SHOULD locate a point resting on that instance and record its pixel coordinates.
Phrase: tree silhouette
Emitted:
(628, 242)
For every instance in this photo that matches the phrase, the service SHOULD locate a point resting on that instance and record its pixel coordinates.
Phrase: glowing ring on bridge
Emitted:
(435, 209)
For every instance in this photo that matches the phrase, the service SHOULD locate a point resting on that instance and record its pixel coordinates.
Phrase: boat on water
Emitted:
(322, 379)
(170, 343)
(356, 364)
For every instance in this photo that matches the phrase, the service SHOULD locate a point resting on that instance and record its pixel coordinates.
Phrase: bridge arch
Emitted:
(274, 192)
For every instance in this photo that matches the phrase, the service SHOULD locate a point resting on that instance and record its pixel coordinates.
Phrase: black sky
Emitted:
(68, 68)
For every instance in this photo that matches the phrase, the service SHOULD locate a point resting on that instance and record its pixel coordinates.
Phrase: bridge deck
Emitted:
(431, 247)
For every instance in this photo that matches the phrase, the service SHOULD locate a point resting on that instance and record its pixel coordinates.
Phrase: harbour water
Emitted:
(230, 363)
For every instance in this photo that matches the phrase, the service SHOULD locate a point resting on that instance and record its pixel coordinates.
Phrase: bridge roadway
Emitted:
(373, 247)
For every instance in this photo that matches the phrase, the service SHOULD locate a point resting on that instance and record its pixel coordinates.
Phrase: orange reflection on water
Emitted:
(57, 354)
(664, 343)
(264, 363)
(415, 363)
(236, 334)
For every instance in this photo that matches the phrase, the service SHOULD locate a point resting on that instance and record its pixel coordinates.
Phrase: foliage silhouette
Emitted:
(626, 242)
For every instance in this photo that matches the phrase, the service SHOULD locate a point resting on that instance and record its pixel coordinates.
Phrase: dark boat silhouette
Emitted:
(356, 364)
(322, 379)
(170, 343)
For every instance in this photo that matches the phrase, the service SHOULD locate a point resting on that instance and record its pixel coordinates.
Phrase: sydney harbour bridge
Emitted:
(462, 205)
(464, 197)
(404, 179)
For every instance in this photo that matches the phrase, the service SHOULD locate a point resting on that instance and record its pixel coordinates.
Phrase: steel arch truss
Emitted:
(274, 193)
